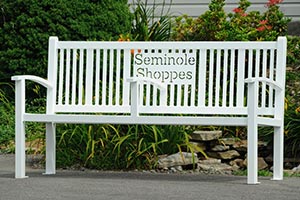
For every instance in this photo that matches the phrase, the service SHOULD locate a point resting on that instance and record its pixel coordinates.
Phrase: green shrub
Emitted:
(293, 54)
(6, 119)
(237, 25)
(25, 26)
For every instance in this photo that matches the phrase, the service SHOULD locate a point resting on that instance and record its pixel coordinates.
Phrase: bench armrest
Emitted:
(20, 88)
(147, 80)
(134, 85)
(36, 79)
(270, 82)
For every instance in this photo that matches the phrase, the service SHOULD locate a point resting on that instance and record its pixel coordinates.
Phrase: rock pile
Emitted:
(225, 154)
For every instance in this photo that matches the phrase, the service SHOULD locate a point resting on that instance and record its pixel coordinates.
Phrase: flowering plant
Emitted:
(236, 25)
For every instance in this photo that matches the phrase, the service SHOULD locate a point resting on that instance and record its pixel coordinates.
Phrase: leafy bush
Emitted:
(292, 129)
(239, 25)
(25, 26)
(7, 119)
(293, 54)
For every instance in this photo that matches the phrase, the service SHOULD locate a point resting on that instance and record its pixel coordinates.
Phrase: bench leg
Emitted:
(20, 157)
(50, 148)
(252, 134)
(278, 153)
(252, 166)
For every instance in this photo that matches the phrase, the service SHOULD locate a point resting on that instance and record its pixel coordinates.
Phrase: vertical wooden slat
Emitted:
(250, 67)
(74, 76)
(141, 93)
(126, 74)
(172, 94)
(232, 71)
(225, 74)
(264, 74)
(67, 83)
(104, 75)
(179, 95)
(61, 77)
(250, 63)
(218, 78)
(257, 62)
(148, 96)
(186, 94)
(97, 77)
(202, 77)
(118, 72)
(211, 77)
(111, 77)
(80, 86)
(154, 90)
(241, 77)
(272, 55)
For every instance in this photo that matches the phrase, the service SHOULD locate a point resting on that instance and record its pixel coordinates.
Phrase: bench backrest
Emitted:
(200, 77)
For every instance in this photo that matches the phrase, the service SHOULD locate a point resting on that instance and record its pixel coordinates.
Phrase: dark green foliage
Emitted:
(6, 119)
(25, 26)
(293, 54)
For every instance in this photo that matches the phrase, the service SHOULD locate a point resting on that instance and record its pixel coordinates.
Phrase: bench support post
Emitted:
(252, 135)
(278, 154)
(50, 148)
(279, 111)
(20, 157)
(134, 98)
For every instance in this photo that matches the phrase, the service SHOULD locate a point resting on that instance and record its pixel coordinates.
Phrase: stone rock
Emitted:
(177, 159)
(201, 145)
(260, 162)
(238, 163)
(213, 166)
(225, 155)
(35, 160)
(220, 147)
(206, 135)
(242, 145)
(296, 169)
(228, 141)
(210, 161)
(288, 165)
(176, 169)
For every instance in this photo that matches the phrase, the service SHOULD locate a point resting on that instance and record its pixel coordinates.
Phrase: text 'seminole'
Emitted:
(165, 67)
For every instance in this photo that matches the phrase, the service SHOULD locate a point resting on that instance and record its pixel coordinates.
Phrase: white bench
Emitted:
(180, 83)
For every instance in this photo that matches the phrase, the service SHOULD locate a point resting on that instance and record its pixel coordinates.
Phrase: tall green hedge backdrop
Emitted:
(25, 26)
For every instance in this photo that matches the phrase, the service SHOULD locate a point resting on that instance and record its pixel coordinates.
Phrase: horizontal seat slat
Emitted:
(161, 110)
(160, 120)
(115, 119)
(203, 110)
